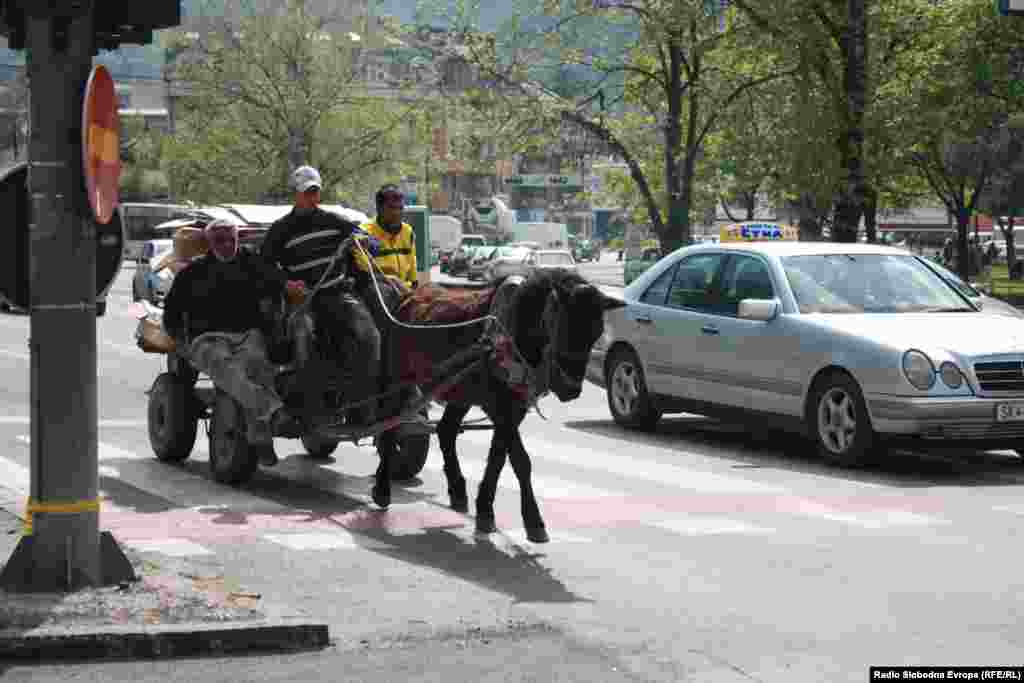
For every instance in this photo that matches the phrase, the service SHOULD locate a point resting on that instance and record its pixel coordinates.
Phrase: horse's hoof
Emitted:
(381, 496)
(537, 535)
(485, 525)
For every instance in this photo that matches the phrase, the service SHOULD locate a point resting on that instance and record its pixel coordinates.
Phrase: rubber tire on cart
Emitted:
(172, 418)
(849, 439)
(317, 447)
(411, 454)
(232, 461)
(101, 308)
(628, 400)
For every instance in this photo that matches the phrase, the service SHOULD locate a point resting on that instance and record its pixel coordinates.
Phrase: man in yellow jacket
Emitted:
(397, 254)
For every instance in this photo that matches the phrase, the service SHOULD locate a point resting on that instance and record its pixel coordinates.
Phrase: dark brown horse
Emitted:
(546, 326)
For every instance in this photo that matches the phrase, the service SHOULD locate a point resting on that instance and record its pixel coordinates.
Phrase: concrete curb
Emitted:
(158, 642)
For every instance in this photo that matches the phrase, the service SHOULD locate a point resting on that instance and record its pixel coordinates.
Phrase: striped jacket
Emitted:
(304, 245)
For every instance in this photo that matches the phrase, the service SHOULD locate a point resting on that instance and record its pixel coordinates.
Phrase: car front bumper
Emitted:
(966, 419)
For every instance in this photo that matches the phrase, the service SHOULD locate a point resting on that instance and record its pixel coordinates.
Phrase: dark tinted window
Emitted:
(658, 291)
(746, 277)
(694, 285)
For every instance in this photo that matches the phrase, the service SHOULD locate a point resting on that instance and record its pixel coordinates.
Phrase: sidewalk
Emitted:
(177, 607)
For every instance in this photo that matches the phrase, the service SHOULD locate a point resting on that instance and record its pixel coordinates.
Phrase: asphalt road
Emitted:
(695, 552)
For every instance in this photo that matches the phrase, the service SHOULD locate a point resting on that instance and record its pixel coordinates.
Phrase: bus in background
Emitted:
(140, 221)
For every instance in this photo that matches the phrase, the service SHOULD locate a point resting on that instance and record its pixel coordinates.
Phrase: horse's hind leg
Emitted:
(386, 447)
(521, 465)
(447, 434)
(489, 484)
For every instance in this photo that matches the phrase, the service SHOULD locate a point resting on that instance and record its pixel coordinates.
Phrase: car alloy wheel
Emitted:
(628, 399)
(837, 421)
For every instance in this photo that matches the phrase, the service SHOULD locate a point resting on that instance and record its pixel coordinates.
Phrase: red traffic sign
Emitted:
(101, 144)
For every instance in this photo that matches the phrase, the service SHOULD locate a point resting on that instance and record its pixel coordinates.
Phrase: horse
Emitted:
(543, 328)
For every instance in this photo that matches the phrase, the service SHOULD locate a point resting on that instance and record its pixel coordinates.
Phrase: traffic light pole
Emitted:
(62, 548)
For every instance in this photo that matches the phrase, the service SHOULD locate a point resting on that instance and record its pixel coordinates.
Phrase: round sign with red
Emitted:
(101, 146)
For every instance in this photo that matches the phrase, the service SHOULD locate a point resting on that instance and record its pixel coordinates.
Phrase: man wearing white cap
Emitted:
(303, 244)
(213, 312)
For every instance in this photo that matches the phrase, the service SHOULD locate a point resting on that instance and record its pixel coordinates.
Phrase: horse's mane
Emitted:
(528, 307)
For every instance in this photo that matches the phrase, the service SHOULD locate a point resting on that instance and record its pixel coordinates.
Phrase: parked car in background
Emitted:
(989, 304)
(508, 260)
(479, 262)
(544, 259)
(145, 280)
(459, 262)
(634, 267)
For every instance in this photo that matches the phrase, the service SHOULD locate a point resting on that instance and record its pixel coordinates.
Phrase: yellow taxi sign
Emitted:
(758, 231)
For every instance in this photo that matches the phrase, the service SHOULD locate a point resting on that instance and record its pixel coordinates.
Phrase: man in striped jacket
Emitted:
(303, 244)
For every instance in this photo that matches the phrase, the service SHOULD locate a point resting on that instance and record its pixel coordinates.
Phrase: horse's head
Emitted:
(573, 319)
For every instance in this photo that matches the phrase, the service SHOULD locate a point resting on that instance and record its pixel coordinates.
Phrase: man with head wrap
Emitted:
(303, 243)
(213, 312)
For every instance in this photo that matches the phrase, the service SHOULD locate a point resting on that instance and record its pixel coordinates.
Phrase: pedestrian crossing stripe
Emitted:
(705, 526)
(172, 547)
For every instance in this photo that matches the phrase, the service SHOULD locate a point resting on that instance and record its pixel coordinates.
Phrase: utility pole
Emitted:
(62, 548)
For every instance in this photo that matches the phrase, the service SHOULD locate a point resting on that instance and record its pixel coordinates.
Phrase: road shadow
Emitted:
(763, 448)
(428, 534)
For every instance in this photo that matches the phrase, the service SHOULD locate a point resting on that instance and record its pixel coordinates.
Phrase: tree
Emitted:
(276, 90)
(675, 66)
(963, 99)
(1005, 198)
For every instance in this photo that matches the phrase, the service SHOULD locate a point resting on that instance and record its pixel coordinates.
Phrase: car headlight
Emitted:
(919, 370)
(951, 375)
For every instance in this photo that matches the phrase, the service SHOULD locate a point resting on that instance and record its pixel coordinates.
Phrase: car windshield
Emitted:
(954, 280)
(868, 283)
(554, 259)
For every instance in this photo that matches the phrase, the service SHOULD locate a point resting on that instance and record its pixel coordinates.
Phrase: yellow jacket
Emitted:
(397, 255)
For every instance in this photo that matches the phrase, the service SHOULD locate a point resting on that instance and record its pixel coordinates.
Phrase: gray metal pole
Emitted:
(65, 550)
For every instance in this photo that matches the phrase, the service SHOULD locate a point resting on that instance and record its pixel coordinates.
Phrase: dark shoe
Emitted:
(285, 424)
(267, 456)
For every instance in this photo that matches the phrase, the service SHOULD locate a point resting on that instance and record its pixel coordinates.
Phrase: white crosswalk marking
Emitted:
(704, 526)
(15, 477)
(104, 451)
(340, 540)
(871, 519)
(173, 547)
(103, 424)
(543, 487)
(624, 466)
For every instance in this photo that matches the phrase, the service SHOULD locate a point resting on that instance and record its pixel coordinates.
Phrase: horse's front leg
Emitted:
(386, 449)
(447, 434)
(489, 484)
(521, 465)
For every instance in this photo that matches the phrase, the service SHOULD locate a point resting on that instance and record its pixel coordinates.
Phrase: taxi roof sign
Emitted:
(758, 231)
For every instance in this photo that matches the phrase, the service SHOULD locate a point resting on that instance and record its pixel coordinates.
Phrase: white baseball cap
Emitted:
(305, 177)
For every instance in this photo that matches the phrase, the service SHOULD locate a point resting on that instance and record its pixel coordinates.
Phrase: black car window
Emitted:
(657, 293)
(746, 277)
(694, 285)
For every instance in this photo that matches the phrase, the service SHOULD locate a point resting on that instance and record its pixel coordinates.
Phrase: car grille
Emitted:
(980, 431)
(1000, 376)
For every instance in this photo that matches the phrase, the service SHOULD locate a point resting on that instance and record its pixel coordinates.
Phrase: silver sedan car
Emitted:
(853, 345)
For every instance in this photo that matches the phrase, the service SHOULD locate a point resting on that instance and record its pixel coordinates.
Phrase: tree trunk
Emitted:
(676, 230)
(1011, 248)
(850, 203)
(963, 256)
(871, 215)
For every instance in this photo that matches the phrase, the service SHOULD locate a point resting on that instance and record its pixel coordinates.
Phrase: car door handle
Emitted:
(644, 320)
(709, 329)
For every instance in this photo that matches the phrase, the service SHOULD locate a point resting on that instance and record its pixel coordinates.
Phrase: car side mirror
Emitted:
(759, 309)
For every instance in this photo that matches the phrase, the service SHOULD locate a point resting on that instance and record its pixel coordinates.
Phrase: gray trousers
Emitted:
(238, 365)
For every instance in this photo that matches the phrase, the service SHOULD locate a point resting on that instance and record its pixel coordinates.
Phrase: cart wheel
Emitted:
(231, 459)
(410, 453)
(172, 418)
(318, 447)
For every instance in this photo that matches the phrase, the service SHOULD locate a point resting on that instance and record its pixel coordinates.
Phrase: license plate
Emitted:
(1010, 412)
